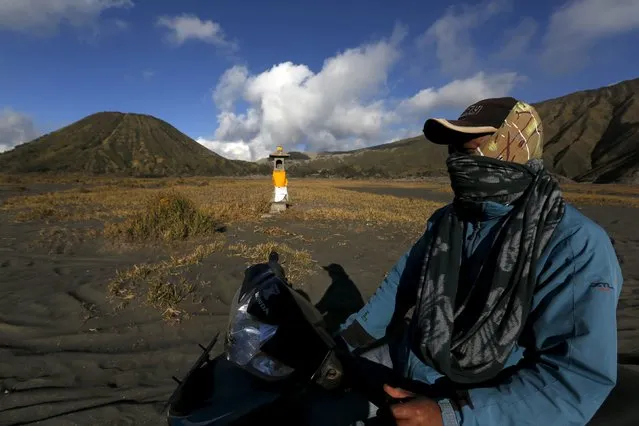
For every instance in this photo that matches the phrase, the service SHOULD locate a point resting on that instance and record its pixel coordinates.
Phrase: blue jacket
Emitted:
(571, 335)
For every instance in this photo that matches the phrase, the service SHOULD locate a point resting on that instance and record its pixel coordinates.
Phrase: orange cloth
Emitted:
(279, 178)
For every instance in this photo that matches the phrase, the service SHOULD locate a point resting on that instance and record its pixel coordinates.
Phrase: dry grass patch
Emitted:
(10, 179)
(13, 188)
(274, 231)
(583, 194)
(298, 264)
(62, 240)
(42, 213)
(577, 193)
(601, 199)
(162, 283)
(76, 204)
(32, 178)
(224, 200)
(434, 184)
(75, 178)
(166, 294)
(599, 188)
(167, 216)
(342, 205)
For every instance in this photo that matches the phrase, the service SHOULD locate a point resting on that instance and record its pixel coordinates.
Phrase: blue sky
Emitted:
(241, 76)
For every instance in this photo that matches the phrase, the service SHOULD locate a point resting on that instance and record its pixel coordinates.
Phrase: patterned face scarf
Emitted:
(470, 340)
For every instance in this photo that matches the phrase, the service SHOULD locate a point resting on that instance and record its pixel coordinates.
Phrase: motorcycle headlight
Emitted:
(245, 337)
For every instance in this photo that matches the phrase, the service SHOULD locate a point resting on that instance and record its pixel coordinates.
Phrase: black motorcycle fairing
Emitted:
(301, 341)
(220, 393)
(191, 383)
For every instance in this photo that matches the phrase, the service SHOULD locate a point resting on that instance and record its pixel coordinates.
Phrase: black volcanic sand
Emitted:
(67, 357)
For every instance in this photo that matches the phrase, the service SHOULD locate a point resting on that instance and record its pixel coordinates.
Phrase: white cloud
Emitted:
(234, 150)
(230, 87)
(289, 103)
(579, 23)
(38, 16)
(121, 24)
(111, 27)
(15, 128)
(190, 27)
(451, 34)
(341, 107)
(461, 93)
(148, 74)
(518, 39)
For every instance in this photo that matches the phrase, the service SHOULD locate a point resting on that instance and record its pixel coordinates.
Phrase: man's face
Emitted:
(467, 144)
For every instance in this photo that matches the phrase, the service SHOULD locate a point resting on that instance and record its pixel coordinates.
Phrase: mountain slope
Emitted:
(408, 157)
(119, 143)
(590, 136)
(593, 135)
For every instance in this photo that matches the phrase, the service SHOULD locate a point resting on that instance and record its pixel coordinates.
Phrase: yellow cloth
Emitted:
(279, 178)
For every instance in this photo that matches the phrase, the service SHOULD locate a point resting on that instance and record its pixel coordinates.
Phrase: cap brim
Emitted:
(438, 130)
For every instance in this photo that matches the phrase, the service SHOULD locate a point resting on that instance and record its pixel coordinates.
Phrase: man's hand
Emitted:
(419, 411)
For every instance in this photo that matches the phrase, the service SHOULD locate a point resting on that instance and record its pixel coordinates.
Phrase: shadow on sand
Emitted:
(341, 299)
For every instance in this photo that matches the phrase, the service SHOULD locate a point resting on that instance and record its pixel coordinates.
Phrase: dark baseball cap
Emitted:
(483, 117)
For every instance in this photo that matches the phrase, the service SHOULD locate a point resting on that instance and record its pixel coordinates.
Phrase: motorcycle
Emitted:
(276, 350)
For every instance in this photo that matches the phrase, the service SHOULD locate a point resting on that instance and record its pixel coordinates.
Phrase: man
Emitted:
(514, 292)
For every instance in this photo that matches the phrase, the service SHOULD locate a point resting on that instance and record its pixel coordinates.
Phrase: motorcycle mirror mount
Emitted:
(330, 374)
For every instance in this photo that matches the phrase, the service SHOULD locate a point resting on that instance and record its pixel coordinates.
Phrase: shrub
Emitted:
(167, 216)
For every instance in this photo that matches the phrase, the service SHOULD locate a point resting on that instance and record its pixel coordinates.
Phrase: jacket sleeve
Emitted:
(391, 300)
(570, 363)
